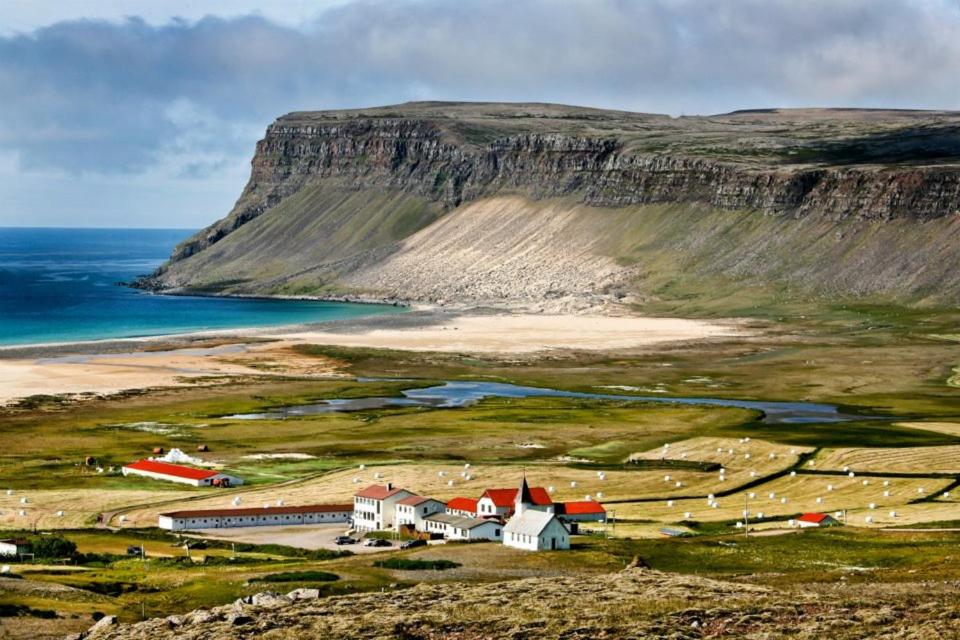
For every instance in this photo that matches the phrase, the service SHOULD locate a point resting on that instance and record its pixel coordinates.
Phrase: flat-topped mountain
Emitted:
(557, 206)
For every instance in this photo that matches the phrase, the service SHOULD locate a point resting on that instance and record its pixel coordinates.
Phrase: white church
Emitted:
(532, 527)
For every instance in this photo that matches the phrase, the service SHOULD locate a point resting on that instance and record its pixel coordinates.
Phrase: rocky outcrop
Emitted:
(452, 155)
(635, 603)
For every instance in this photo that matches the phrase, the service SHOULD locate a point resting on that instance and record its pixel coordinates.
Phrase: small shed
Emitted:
(202, 448)
(158, 450)
(816, 520)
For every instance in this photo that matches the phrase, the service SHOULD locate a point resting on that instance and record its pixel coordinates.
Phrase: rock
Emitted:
(238, 619)
(269, 599)
(304, 594)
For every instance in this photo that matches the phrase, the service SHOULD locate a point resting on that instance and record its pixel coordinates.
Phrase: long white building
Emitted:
(158, 470)
(254, 517)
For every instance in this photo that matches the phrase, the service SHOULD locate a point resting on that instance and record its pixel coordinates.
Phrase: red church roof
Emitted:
(176, 470)
(815, 518)
(581, 507)
(462, 504)
(505, 497)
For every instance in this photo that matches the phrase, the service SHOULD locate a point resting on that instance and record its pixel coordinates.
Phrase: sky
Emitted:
(145, 113)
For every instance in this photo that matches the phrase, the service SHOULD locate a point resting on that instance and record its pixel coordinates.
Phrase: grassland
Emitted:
(869, 360)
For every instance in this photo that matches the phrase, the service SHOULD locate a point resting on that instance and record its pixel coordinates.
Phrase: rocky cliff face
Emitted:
(795, 165)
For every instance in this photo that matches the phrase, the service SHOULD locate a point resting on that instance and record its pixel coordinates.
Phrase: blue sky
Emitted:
(127, 113)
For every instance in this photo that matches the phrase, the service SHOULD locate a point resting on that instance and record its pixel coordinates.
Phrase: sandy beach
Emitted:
(113, 366)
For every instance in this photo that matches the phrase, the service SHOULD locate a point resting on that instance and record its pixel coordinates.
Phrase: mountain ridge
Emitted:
(377, 177)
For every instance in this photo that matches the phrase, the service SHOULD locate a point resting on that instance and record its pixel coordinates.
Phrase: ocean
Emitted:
(60, 285)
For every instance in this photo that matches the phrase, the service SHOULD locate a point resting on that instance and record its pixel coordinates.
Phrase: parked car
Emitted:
(344, 540)
(411, 544)
(377, 542)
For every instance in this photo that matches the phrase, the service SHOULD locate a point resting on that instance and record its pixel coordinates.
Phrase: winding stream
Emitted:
(462, 393)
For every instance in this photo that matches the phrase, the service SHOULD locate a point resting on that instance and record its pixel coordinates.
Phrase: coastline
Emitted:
(111, 366)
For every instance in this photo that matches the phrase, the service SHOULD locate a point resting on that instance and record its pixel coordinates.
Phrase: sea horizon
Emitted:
(64, 285)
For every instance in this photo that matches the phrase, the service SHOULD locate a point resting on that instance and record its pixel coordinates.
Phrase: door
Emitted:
(553, 544)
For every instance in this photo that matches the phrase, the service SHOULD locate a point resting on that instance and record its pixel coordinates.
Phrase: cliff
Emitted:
(405, 202)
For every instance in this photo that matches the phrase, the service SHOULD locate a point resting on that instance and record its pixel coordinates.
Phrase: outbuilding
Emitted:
(14, 547)
(816, 520)
(573, 513)
(179, 473)
(254, 517)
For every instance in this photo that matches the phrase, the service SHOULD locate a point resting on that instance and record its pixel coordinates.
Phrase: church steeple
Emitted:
(523, 499)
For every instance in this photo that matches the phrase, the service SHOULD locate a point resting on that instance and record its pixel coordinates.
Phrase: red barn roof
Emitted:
(815, 518)
(506, 497)
(413, 501)
(176, 470)
(463, 504)
(581, 507)
(379, 492)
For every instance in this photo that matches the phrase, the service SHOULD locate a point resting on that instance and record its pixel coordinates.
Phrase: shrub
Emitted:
(52, 547)
(407, 564)
(299, 576)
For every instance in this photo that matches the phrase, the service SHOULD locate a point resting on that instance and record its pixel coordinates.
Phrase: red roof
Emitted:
(581, 507)
(462, 504)
(816, 518)
(176, 470)
(379, 492)
(506, 497)
(253, 511)
(413, 501)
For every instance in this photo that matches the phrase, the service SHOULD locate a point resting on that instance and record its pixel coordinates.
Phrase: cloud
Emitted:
(190, 97)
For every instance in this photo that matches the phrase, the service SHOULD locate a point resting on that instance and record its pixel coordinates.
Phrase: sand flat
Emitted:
(525, 333)
(106, 373)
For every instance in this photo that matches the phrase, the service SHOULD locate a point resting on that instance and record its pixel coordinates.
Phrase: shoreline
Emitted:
(173, 360)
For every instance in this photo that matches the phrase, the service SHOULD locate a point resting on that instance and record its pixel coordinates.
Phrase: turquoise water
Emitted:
(59, 285)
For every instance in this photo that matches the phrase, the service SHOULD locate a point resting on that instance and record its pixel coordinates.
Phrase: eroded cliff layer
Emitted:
(360, 202)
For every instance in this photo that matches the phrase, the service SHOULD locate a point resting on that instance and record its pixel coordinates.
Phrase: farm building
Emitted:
(463, 507)
(178, 473)
(375, 507)
(14, 547)
(816, 520)
(460, 528)
(536, 531)
(500, 502)
(253, 517)
(581, 511)
(573, 513)
(411, 511)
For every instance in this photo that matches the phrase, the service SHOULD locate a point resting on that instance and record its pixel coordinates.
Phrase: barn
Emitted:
(816, 520)
(14, 547)
(254, 517)
(158, 470)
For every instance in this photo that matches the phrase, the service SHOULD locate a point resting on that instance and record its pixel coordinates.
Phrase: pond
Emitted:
(454, 394)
